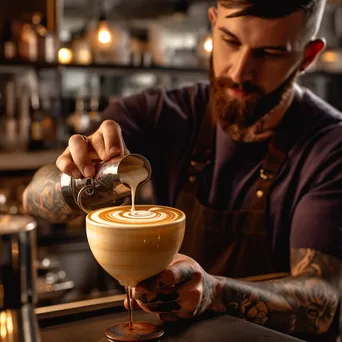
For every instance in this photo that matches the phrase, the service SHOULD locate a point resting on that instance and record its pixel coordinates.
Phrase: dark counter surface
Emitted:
(90, 327)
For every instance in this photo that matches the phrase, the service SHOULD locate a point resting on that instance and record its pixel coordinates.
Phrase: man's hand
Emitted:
(183, 290)
(43, 196)
(77, 160)
(304, 303)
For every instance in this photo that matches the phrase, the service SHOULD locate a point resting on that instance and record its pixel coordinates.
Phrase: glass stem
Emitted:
(130, 307)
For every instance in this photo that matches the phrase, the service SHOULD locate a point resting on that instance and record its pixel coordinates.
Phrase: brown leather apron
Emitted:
(228, 243)
(234, 244)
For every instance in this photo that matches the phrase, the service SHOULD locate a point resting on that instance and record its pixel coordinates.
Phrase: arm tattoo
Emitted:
(43, 196)
(305, 303)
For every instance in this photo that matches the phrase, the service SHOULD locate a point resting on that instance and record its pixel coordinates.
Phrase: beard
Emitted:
(243, 113)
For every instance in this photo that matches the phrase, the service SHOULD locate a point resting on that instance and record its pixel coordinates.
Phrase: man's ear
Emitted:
(212, 14)
(312, 51)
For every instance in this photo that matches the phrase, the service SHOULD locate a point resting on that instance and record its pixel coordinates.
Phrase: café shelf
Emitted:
(106, 69)
(10, 161)
(8, 66)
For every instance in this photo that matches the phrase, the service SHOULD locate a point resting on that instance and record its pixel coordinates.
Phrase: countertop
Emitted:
(86, 321)
(90, 328)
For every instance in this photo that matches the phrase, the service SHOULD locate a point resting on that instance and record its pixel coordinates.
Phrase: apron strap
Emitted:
(273, 162)
(203, 148)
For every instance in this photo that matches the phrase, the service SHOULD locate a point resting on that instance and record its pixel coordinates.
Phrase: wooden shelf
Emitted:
(15, 67)
(108, 69)
(11, 161)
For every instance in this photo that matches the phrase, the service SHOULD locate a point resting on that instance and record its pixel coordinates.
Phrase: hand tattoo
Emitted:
(164, 307)
(43, 196)
(151, 284)
(164, 296)
(306, 302)
(165, 292)
(208, 293)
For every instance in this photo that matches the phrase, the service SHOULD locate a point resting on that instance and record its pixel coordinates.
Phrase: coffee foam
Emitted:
(143, 216)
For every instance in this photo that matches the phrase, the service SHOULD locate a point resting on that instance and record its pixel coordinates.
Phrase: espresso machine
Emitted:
(17, 279)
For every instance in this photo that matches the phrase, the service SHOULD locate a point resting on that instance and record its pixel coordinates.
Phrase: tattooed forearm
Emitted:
(306, 302)
(43, 196)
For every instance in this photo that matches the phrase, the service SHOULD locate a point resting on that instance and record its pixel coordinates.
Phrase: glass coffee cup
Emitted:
(133, 246)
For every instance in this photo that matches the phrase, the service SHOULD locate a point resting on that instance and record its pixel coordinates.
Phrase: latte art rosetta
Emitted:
(143, 216)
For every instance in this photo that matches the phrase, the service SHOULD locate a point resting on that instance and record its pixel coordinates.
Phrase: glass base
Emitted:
(141, 331)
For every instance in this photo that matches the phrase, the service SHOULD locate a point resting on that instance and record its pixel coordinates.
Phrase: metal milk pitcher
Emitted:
(17, 279)
(105, 189)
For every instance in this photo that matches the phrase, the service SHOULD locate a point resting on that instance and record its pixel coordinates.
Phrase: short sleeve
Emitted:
(160, 124)
(150, 119)
(135, 116)
(317, 220)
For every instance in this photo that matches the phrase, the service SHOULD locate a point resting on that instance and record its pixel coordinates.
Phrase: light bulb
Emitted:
(83, 56)
(208, 45)
(3, 329)
(330, 56)
(64, 56)
(9, 323)
(104, 36)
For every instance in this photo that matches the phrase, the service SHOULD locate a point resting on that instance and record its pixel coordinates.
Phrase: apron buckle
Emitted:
(266, 176)
(199, 166)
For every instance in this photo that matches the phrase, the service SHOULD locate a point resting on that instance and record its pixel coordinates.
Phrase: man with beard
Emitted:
(255, 162)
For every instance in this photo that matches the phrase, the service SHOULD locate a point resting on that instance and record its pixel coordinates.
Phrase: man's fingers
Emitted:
(78, 159)
(113, 141)
(175, 316)
(178, 273)
(168, 317)
(163, 307)
(96, 147)
(184, 300)
(135, 305)
(80, 155)
(181, 308)
(189, 294)
(67, 166)
(164, 295)
(65, 163)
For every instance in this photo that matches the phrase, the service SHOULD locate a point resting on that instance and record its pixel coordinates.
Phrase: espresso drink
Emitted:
(135, 245)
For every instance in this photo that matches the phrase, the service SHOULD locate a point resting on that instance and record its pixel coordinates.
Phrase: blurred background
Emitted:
(63, 61)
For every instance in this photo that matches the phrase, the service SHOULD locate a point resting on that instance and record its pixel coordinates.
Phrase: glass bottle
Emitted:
(81, 49)
(78, 122)
(9, 49)
(36, 129)
(28, 45)
(9, 124)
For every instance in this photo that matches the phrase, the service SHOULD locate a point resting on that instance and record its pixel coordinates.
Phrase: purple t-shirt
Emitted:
(305, 207)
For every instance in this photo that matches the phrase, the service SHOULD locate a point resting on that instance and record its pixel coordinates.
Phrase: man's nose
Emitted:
(244, 67)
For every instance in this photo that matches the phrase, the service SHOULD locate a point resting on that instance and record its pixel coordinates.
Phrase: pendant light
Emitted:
(208, 45)
(180, 9)
(104, 35)
(205, 47)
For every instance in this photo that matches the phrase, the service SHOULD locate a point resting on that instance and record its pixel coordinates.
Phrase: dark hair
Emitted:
(271, 9)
